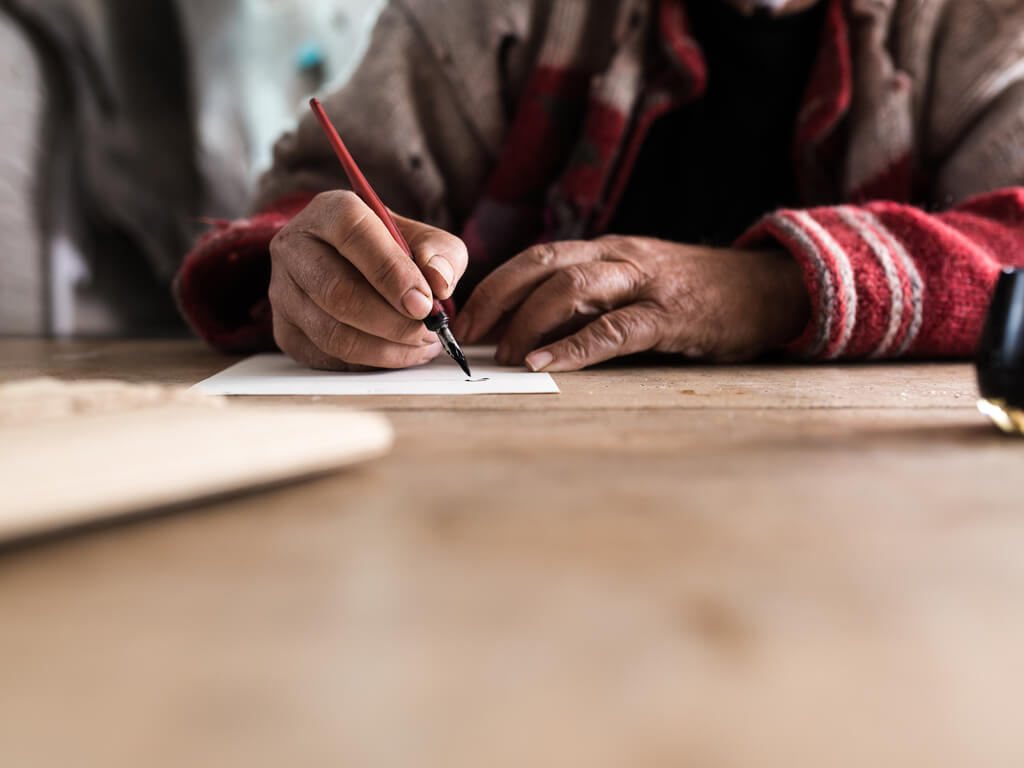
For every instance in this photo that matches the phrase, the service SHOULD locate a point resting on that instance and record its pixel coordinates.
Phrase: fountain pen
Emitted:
(437, 322)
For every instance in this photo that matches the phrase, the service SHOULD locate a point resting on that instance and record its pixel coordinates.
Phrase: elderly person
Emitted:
(712, 179)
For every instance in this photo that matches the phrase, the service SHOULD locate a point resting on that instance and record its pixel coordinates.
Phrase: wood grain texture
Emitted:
(813, 566)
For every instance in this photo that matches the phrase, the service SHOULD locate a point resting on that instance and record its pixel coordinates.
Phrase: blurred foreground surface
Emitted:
(792, 566)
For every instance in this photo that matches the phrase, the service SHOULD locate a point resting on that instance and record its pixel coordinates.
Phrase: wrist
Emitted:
(782, 298)
(794, 301)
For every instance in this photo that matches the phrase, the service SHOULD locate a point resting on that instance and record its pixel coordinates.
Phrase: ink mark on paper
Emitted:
(478, 381)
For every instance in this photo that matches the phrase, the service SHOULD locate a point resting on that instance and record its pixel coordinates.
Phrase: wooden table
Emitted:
(663, 566)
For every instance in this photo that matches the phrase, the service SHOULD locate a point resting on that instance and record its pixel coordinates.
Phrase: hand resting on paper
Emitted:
(573, 304)
(345, 295)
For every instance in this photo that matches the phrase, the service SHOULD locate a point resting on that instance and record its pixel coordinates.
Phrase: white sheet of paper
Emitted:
(279, 375)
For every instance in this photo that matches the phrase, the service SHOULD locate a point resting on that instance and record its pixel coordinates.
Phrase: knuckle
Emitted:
(323, 198)
(282, 243)
(572, 280)
(347, 205)
(339, 292)
(576, 348)
(389, 274)
(542, 255)
(612, 329)
(614, 243)
(340, 342)
(349, 221)
(333, 199)
(636, 278)
(321, 215)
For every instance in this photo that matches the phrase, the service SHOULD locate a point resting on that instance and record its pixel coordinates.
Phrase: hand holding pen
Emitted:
(346, 295)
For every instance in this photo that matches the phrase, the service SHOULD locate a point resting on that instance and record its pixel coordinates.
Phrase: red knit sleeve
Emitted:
(221, 287)
(890, 280)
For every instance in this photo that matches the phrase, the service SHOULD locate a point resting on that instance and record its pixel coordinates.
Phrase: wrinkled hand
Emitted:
(346, 296)
(617, 295)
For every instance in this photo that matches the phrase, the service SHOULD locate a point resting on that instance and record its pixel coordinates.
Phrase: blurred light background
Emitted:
(83, 82)
(279, 51)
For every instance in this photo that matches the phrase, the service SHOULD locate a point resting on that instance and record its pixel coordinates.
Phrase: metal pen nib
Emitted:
(438, 323)
(451, 346)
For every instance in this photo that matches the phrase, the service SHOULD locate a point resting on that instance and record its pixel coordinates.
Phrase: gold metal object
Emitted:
(1010, 420)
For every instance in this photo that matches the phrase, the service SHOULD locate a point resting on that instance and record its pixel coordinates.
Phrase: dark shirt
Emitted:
(709, 170)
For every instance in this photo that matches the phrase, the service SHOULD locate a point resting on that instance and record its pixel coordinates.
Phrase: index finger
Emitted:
(356, 232)
(625, 331)
(508, 286)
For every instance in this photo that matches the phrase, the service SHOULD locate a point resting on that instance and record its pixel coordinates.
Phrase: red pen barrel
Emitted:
(355, 176)
(362, 188)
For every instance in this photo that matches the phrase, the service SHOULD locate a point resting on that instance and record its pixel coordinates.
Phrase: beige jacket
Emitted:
(427, 111)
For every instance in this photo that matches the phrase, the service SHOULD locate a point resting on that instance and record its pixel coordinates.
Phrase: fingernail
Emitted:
(417, 304)
(444, 269)
(538, 361)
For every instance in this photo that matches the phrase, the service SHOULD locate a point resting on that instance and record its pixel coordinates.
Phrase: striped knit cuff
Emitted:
(866, 293)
